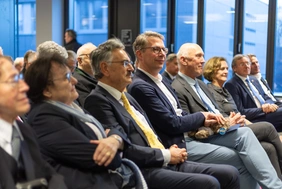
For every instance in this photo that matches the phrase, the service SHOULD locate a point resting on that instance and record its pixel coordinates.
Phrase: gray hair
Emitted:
(71, 54)
(171, 57)
(238, 57)
(18, 60)
(50, 47)
(141, 40)
(104, 53)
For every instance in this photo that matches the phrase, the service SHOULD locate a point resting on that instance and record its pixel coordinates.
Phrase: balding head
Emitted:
(83, 57)
(191, 59)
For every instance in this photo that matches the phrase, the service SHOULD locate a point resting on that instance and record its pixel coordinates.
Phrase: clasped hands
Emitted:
(177, 155)
(269, 108)
(234, 118)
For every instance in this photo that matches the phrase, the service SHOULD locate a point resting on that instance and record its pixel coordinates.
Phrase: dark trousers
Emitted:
(193, 175)
(270, 141)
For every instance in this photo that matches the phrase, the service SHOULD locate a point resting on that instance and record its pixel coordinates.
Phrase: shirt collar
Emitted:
(258, 76)
(242, 78)
(156, 80)
(188, 79)
(114, 92)
(6, 130)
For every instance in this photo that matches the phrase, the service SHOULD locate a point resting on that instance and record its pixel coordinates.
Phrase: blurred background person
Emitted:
(29, 57)
(1, 51)
(19, 63)
(71, 60)
(84, 72)
(70, 40)
(171, 69)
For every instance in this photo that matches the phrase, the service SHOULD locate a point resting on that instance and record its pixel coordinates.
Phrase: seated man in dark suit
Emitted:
(20, 155)
(258, 81)
(247, 98)
(171, 123)
(117, 109)
(171, 69)
(84, 73)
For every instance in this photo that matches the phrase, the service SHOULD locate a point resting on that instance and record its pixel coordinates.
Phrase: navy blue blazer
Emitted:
(33, 165)
(244, 99)
(160, 112)
(166, 77)
(112, 114)
(65, 143)
(256, 83)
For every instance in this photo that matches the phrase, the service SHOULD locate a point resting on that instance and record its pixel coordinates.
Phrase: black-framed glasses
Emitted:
(67, 76)
(125, 62)
(157, 50)
(15, 79)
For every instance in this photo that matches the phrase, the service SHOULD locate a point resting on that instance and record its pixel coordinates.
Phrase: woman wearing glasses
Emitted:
(64, 130)
(216, 71)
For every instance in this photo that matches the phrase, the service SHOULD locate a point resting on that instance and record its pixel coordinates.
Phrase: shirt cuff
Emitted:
(166, 155)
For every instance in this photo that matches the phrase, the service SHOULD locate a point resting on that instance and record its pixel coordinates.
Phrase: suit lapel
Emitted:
(27, 161)
(160, 93)
(122, 110)
(189, 89)
(242, 84)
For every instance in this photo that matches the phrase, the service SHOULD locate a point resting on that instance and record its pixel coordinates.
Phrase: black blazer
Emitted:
(112, 114)
(64, 142)
(168, 125)
(85, 84)
(33, 164)
(166, 77)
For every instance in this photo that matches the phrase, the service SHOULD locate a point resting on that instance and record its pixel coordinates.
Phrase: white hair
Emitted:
(18, 60)
(51, 47)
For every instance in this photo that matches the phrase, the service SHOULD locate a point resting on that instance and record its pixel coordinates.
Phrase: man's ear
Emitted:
(139, 55)
(79, 60)
(47, 93)
(104, 67)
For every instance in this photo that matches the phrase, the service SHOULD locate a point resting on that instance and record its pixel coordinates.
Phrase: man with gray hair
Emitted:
(247, 98)
(51, 47)
(115, 108)
(84, 72)
(19, 63)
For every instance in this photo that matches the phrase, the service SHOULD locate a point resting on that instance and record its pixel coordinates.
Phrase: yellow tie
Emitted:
(149, 133)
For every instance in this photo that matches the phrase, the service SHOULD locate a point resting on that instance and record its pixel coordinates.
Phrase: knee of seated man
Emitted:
(269, 148)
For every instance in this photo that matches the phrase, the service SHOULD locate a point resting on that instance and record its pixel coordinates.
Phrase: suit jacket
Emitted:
(189, 100)
(32, 164)
(168, 125)
(166, 77)
(73, 45)
(85, 84)
(112, 114)
(64, 142)
(258, 86)
(244, 99)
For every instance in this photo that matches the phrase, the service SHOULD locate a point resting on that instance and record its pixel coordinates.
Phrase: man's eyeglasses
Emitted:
(157, 50)
(15, 79)
(125, 62)
(244, 64)
(67, 76)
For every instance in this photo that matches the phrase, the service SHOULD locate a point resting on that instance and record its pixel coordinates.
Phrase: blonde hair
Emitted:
(212, 66)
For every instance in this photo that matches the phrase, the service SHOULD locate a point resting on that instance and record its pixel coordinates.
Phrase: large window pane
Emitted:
(219, 29)
(89, 18)
(278, 53)
(255, 30)
(185, 22)
(154, 16)
(26, 24)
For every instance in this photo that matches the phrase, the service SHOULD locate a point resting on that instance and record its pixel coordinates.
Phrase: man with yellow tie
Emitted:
(114, 108)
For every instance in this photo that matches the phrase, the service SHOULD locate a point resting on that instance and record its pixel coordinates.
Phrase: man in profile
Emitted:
(70, 40)
(171, 69)
(84, 72)
(20, 161)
